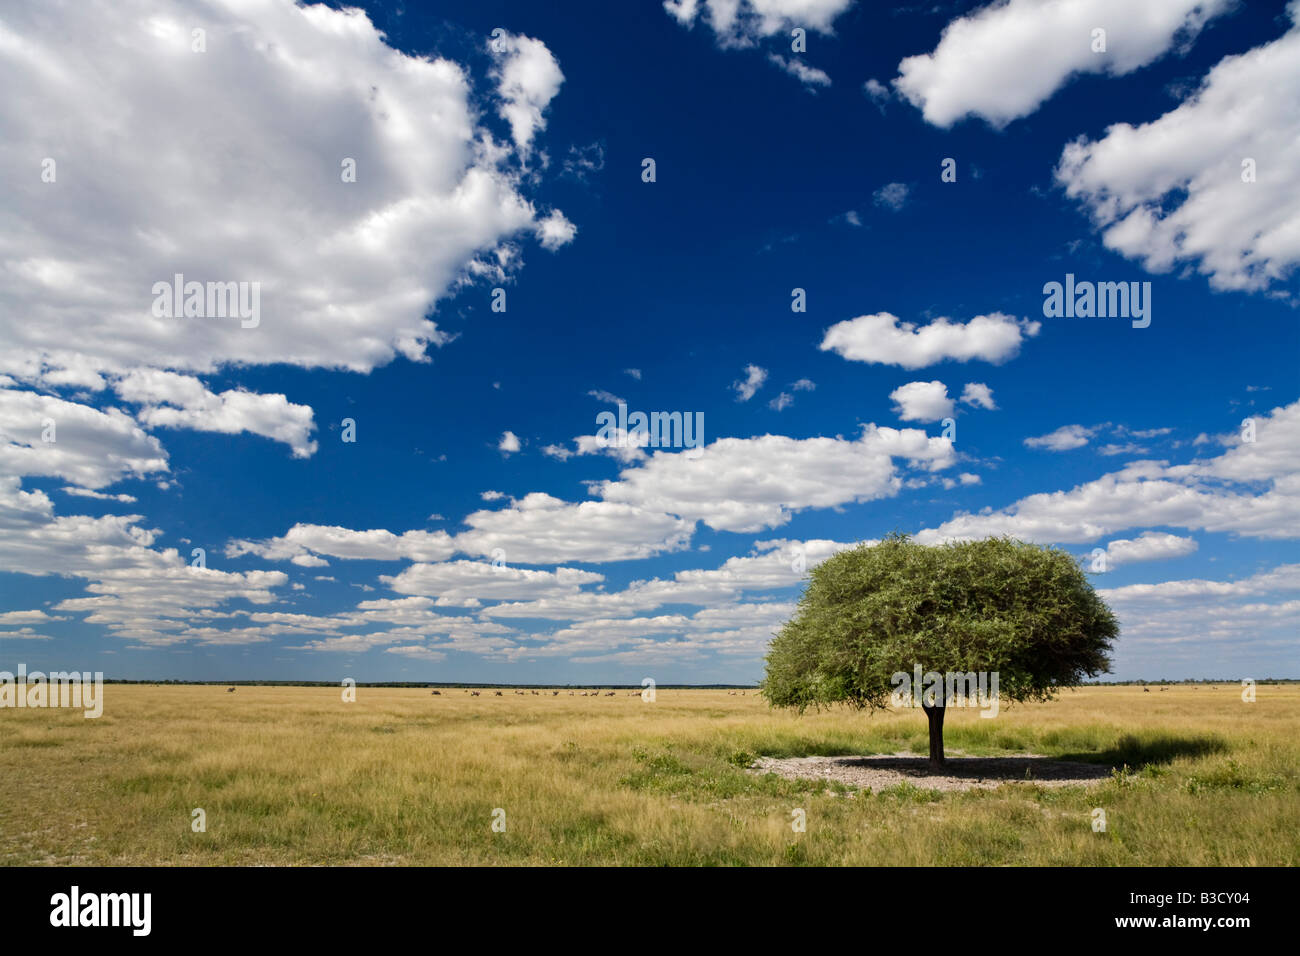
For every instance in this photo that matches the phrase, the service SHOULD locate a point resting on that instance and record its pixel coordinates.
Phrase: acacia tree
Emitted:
(1024, 612)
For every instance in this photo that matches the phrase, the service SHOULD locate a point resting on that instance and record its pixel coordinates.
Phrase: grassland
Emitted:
(296, 776)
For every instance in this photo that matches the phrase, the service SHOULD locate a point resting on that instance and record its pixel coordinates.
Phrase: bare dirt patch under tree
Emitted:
(959, 773)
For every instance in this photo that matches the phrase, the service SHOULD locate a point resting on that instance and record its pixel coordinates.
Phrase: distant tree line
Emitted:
(423, 684)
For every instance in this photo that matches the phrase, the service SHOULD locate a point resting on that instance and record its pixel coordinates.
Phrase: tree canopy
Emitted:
(1025, 612)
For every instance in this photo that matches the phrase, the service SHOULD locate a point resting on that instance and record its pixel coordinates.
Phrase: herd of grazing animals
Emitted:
(556, 693)
(572, 693)
(637, 693)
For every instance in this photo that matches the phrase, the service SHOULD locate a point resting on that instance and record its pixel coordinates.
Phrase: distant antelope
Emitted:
(570, 693)
(437, 693)
(230, 690)
(1146, 690)
(555, 693)
(610, 694)
(1163, 689)
(473, 693)
(499, 694)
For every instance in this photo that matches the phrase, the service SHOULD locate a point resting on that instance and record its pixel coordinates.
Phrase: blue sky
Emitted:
(218, 155)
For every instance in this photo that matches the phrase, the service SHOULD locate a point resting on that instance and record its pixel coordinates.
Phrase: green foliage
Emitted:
(1230, 775)
(742, 759)
(1024, 611)
(909, 793)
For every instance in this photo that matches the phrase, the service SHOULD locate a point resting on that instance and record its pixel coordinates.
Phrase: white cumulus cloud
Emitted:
(979, 395)
(528, 78)
(744, 22)
(809, 76)
(1148, 546)
(751, 383)
(542, 529)
(42, 435)
(1065, 438)
(1003, 60)
(882, 339)
(922, 401)
(229, 166)
(171, 400)
(1172, 191)
(747, 484)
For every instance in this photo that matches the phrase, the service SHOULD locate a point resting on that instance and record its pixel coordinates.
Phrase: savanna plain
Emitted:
(297, 776)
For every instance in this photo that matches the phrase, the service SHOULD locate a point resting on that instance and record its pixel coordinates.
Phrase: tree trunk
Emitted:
(935, 714)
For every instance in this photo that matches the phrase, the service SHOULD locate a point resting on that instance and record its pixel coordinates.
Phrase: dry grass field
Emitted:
(296, 776)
